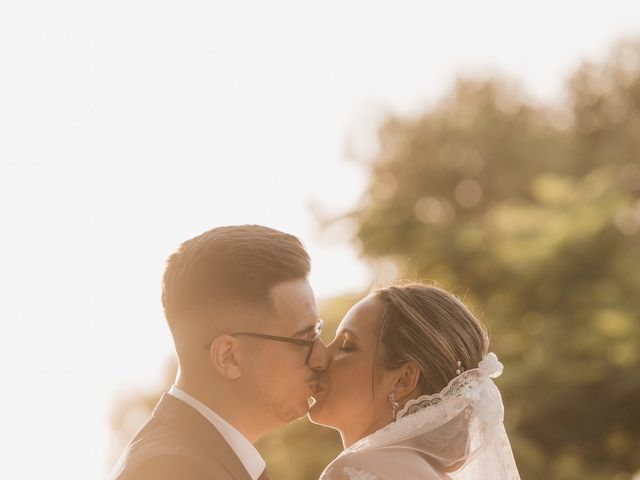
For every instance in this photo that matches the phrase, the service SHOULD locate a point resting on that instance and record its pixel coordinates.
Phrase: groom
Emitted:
(246, 331)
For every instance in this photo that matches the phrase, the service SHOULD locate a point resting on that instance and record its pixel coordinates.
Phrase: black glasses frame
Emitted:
(276, 338)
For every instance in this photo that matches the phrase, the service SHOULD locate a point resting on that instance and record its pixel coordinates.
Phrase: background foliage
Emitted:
(532, 214)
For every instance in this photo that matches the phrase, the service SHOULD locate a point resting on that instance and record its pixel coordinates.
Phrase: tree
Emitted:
(533, 215)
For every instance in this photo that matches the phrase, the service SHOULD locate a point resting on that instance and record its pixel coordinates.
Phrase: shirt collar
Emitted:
(246, 452)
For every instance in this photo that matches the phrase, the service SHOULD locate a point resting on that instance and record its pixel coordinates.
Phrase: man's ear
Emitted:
(407, 378)
(225, 355)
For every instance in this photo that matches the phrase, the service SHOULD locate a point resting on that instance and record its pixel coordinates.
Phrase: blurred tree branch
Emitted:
(531, 213)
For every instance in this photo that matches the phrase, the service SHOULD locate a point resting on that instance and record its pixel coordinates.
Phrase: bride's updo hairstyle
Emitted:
(431, 328)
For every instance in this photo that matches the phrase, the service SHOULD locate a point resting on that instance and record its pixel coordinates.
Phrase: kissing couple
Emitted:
(407, 380)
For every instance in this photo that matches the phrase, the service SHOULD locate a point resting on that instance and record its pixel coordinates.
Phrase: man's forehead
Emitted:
(293, 294)
(294, 302)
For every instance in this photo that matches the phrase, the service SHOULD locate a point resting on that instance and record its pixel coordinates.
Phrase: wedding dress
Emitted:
(456, 434)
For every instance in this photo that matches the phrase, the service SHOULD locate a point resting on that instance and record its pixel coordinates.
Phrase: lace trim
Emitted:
(429, 411)
(488, 367)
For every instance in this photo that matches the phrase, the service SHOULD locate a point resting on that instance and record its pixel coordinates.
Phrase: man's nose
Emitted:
(320, 358)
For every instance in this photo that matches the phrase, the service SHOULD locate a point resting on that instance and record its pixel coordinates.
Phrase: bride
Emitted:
(410, 389)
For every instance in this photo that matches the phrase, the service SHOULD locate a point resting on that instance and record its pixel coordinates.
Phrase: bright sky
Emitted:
(129, 126)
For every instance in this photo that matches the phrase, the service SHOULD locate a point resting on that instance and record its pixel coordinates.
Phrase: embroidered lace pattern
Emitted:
(456, 388)
(429, 411)
(457, 433)
(355, 474)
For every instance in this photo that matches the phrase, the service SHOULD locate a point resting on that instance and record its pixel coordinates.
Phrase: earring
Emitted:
(394, 405)
(460, 369)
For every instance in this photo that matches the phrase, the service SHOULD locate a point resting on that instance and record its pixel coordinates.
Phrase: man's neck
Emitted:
(231, 407)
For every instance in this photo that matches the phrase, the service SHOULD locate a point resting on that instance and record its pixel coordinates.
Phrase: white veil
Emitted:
(456, 434)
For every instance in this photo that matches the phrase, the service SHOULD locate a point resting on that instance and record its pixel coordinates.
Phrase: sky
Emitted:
(127, 127)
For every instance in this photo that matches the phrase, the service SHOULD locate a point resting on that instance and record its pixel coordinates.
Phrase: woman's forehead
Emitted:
(363, 317)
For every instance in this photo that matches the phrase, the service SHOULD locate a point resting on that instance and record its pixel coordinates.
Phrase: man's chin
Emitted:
(296, 413)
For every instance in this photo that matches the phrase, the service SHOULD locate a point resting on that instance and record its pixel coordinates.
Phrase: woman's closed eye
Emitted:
(346, 346)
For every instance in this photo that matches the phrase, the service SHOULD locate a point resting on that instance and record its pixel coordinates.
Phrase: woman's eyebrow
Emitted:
(305, 330)
(349, 333)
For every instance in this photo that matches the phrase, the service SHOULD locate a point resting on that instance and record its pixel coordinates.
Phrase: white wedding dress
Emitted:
(456, 434)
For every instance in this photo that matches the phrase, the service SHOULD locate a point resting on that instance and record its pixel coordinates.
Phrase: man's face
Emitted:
(276, 374)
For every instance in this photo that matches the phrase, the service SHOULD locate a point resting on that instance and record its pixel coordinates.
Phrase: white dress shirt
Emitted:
(246, 452)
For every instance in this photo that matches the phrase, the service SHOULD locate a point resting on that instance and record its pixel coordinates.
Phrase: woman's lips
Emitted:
(318, 389)
(313, 386)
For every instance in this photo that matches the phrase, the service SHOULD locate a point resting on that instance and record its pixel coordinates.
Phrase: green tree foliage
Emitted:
(535, 212)
(532, 215)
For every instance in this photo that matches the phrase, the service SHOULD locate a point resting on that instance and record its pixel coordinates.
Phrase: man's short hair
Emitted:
(228, 266)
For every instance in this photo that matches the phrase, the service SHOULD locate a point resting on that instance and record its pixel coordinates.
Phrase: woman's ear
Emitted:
(225, 355)
(407, 378)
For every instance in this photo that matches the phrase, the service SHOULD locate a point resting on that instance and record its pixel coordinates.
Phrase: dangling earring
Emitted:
(394, 405)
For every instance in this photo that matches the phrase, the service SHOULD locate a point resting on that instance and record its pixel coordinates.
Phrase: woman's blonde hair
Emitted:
(431, 328)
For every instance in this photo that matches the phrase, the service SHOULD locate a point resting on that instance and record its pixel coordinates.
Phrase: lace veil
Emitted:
(457, 433)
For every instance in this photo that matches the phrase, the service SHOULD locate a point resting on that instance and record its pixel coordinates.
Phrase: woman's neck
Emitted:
(352, 435)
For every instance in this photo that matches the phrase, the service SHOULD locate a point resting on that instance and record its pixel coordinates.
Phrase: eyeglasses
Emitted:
(311, 343)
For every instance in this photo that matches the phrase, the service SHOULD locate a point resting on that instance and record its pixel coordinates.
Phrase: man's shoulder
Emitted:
(160, 451)
(171, 466)
(157, 437)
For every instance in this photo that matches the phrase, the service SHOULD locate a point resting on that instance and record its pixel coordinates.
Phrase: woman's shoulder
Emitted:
(349, 466)
(384, 463)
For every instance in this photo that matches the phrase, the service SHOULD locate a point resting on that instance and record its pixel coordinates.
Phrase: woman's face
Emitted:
(349, 397)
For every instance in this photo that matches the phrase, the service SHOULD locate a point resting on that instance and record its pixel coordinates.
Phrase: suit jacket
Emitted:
(179, 443)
